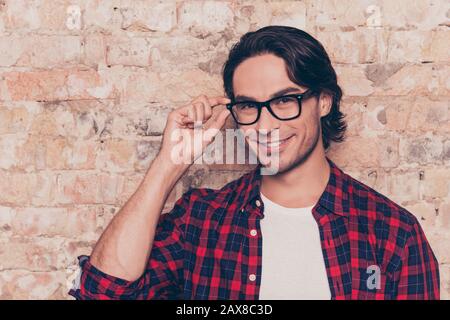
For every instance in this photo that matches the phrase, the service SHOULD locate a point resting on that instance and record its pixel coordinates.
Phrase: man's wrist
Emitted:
(166, 170)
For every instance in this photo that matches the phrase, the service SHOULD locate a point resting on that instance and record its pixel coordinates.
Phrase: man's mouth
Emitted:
(274, 144)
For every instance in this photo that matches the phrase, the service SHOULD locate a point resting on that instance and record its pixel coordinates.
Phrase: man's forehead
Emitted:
(272, 94)
(261, 67)
(260, 77)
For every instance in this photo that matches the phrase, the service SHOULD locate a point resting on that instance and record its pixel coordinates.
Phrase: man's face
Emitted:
(259, 78)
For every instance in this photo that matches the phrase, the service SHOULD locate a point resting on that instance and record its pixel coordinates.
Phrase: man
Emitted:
(309, 231)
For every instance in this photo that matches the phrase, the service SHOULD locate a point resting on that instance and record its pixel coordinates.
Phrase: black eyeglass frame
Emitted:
(299, 96)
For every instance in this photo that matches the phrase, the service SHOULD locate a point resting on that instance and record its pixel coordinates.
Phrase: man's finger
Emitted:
(217, 101)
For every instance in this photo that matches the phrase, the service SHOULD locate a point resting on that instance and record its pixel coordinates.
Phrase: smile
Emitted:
(279, 144)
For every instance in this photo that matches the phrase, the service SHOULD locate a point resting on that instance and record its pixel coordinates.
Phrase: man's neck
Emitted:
(301, 186)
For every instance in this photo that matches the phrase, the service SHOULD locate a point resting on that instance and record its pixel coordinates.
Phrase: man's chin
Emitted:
(279, 166)
(273, 167)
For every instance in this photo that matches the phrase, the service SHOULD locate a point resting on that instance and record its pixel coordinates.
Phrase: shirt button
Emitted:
(252, 277)
(253, 232)
(258, 203)
(242, 210)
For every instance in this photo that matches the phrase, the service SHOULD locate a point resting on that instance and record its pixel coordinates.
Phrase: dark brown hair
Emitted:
(307, 65)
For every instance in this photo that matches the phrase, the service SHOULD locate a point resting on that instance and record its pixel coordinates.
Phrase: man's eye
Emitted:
(284, 100)
(246, 105)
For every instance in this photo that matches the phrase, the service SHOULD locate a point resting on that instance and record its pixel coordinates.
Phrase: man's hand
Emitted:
(183, 142)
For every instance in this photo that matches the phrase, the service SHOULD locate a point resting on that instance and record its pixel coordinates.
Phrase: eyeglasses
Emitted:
(283, 108)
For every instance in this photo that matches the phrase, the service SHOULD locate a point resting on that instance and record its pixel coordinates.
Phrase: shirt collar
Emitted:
(334, 199)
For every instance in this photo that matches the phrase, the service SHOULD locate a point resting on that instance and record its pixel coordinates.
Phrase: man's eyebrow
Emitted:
(276, 94)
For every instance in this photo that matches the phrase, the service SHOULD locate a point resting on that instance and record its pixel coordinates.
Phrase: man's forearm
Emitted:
(124, 247)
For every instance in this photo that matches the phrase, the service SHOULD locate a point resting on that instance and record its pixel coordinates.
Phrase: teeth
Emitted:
(275, 143)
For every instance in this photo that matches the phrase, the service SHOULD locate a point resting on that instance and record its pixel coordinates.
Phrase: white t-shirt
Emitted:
(292, 261)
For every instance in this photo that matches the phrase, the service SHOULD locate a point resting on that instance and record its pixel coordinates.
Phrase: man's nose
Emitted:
(267, 121)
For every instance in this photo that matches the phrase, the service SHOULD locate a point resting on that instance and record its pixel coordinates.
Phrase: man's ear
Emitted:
(325, 103)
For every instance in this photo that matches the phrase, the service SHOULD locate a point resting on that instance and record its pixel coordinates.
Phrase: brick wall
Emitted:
(85, 87)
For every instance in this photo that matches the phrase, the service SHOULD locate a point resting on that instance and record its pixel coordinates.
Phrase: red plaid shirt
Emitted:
(203, 248)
